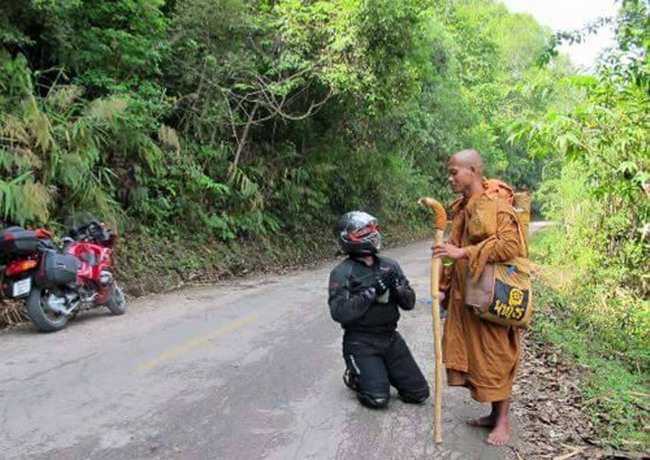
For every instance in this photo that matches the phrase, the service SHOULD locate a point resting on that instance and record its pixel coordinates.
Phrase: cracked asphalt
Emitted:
(249, 369)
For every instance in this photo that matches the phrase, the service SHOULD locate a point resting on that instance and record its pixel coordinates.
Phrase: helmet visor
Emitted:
(364, 232)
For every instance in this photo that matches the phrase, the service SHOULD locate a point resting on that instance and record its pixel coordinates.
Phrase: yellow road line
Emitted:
(198, 341)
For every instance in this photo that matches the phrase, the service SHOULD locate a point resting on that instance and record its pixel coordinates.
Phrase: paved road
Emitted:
(247, 370)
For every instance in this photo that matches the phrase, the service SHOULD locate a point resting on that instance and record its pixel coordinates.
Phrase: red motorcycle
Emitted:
(59, 284)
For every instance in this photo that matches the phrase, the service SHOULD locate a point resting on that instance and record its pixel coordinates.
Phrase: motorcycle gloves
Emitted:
(384, 281)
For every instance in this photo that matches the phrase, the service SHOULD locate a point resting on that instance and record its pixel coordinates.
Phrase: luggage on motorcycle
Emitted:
(57, 269)
(16, 241)
(44, 244)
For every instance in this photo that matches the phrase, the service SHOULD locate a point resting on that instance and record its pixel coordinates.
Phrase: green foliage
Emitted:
(106, 45)
(603, 185)
(597, 259)
(63, 150)
(237, 120)
(602, 309)
(614, 394)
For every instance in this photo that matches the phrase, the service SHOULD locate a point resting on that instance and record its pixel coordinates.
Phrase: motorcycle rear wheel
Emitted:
(44, 319)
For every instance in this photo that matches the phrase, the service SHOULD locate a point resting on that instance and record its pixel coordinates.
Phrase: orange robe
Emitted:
(478, 354)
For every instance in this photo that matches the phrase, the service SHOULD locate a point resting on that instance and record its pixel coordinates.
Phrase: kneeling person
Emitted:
(365, 291)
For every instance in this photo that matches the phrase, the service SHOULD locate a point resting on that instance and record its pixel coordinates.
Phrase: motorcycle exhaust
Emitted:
(64, 305)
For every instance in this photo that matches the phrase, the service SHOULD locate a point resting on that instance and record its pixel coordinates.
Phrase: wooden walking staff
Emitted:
(439, 224)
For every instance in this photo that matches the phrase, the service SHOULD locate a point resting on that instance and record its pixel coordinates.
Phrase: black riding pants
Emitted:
(378, 361)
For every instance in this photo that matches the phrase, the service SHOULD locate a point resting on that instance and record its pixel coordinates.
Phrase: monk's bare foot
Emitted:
(500, 435)
(485, 422)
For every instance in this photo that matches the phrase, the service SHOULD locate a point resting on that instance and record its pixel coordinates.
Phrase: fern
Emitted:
(246, 186)
(169, 138)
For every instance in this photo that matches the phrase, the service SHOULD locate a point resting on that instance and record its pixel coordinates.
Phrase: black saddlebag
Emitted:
(57, 269)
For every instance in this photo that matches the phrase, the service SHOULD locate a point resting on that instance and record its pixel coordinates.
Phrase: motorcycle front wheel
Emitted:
(116, 302)
(45, 318)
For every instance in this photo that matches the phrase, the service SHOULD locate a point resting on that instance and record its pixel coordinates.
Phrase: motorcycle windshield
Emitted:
(80, 220)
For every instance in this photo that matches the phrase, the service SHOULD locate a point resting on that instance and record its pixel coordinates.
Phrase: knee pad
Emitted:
(415, 397)
(372, 402)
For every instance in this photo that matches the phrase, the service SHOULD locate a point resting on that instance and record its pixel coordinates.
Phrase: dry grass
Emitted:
(12, 313)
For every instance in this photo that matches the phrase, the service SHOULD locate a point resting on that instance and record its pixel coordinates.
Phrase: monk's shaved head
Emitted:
(466, 172)
(468, 159)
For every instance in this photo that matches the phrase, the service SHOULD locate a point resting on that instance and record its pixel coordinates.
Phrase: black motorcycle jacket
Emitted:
(354, 302)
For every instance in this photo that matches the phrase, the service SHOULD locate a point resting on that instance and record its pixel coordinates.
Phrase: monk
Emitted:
(479, 355)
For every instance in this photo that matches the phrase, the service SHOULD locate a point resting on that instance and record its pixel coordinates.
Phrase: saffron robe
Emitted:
(478, 354)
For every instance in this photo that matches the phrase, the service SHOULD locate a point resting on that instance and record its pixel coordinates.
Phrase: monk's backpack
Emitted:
(520, 201)
(502, 293)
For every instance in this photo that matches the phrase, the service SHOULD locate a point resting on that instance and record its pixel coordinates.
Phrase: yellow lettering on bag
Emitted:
(516, 297)
(503, 310)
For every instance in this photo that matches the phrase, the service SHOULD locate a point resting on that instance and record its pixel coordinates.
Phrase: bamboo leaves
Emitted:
(64, 145)
(21, 199)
